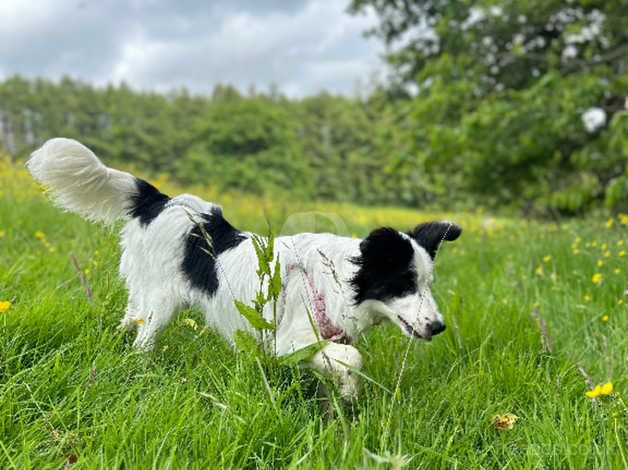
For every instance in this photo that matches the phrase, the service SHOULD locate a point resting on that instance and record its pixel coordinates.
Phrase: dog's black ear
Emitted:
(430, 234)
(386, 249)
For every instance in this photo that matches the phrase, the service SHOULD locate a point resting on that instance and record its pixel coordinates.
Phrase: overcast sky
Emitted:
(303, 46)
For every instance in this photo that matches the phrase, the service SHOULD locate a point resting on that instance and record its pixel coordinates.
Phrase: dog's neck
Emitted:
(338, 295)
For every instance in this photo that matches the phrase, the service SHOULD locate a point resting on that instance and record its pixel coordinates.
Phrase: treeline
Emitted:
(320, 147)
(520, 106)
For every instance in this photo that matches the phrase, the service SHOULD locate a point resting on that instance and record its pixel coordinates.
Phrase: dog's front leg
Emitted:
(340, 362)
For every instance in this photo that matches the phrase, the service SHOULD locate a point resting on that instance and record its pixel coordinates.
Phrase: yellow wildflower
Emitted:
(39, 234)
(620, 242)
(597, 278)
(4, 305)
(539, 270)
(598, 390)
(547, 258)
(2, 233)
(191, 323)
(587, 298)
(594, 243)
(607, 254)
(505, 421)
(138, 321)
(621, 253)
(604, 317)
(86, 271)
(623, 219)
(610, 222)
(600, 263)
(616, 270)
(576, 251)
(604, 247)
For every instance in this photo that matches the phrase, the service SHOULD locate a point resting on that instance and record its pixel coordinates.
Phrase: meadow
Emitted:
(536, 316)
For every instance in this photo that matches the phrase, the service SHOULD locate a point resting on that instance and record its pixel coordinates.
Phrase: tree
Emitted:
(498, 92)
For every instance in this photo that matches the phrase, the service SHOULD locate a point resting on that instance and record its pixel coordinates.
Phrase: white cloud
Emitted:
(301, 46)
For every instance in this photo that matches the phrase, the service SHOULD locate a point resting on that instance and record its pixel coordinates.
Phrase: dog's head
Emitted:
(395, 276)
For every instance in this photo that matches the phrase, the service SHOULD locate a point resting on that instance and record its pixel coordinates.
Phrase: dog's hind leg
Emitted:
(155, 312)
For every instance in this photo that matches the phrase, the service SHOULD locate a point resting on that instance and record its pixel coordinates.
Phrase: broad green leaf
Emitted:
(255, 319)
(303, 354)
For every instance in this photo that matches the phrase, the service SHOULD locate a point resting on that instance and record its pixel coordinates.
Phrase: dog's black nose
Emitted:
(436, 327)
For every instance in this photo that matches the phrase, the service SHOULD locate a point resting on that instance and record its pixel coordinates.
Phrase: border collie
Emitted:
(333, 287)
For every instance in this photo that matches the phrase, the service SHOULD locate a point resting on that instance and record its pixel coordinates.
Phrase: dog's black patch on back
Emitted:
(203, 245)
(147, 202)
(431, 234)
(385, 266)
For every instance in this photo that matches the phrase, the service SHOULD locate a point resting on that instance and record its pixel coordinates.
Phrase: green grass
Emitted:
(72, 388)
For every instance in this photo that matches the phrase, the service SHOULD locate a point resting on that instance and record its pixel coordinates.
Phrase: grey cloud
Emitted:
(301, 46)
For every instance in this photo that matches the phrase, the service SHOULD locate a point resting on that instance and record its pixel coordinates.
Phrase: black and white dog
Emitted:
(344, 284)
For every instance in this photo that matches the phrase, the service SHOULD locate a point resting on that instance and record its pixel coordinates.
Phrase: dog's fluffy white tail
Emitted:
(78, 181)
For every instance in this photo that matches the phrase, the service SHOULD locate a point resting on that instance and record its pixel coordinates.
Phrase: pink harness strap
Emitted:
(326, 328)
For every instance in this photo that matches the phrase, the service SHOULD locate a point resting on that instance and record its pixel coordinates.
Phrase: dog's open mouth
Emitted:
(412, 331)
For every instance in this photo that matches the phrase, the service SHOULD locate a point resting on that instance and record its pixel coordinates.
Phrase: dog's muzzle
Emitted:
(432, 329)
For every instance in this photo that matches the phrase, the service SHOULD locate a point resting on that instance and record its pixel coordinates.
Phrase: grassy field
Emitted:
(536, 316)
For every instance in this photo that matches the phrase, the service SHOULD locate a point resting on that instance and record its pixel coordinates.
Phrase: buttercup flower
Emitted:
(547, 258)
(621, 253)
(598, 390)
(604, 317)
(597, 278)
(609, 223)
(39, 234)
(616, 270)
(587, 298)
(539, 271)
(600, 263)
(4, 305)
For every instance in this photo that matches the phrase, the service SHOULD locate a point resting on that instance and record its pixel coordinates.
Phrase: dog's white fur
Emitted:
(152, 255)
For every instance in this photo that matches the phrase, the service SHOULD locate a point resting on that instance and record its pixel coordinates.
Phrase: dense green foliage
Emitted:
(484, 107)
(72, 388)
(500, 91)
